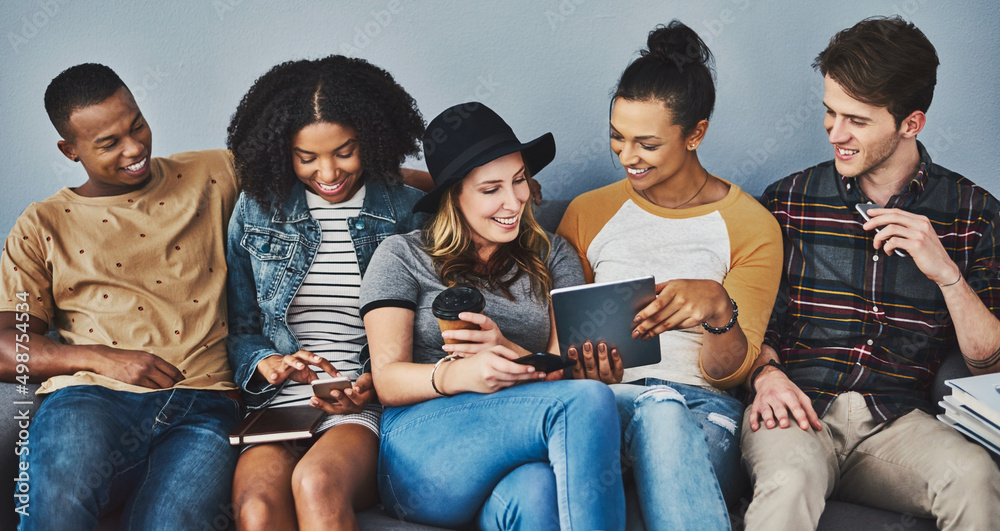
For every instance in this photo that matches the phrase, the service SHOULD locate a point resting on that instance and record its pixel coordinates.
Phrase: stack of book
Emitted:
(973, 408)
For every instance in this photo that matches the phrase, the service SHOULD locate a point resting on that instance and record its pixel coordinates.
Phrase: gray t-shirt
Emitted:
(401, 275)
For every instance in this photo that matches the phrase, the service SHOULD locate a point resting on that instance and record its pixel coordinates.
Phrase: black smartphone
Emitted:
(863, 209)
(545, 362)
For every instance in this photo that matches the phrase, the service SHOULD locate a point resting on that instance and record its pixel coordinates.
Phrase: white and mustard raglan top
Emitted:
(735, 241)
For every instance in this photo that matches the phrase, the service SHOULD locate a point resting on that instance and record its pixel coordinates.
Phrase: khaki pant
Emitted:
(914, 464)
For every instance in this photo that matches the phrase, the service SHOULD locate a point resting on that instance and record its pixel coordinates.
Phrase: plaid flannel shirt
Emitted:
(850, 318)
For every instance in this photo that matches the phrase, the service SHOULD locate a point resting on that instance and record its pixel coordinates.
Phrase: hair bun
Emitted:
(677, 44)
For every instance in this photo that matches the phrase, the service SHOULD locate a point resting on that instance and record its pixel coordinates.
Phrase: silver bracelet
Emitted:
(449, 357)
(953, 283)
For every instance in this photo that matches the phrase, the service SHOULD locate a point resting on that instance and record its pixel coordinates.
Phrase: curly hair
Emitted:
(78, 87)
(335, 89)
(448, 240)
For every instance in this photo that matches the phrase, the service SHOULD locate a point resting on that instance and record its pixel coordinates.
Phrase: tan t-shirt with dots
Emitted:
(142, 271)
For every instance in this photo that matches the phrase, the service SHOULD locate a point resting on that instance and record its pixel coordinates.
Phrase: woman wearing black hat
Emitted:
(461, 443)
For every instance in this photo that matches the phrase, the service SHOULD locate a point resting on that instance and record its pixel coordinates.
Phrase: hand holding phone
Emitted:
(863, 209)
(545, 362)
(324, 386)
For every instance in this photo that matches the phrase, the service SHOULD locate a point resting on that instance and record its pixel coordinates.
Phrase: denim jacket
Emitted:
(269, 252)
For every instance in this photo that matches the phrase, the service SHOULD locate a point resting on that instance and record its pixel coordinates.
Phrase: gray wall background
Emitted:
(545, 65)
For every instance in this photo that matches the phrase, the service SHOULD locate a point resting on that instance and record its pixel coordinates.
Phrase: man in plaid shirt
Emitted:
(868, 310)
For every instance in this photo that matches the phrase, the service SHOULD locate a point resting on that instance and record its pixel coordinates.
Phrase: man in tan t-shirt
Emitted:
(129, 268)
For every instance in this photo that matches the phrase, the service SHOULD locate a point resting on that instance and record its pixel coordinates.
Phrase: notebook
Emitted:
(979, 393)
(969, 424)
(277, 424)
(604, 312)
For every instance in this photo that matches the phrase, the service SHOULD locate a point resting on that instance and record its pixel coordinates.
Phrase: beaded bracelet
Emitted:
(732, 322)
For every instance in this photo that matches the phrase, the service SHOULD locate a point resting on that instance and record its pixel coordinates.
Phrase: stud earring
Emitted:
(76, 159)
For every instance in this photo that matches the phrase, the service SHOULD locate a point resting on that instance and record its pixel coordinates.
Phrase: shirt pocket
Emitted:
(270, 253)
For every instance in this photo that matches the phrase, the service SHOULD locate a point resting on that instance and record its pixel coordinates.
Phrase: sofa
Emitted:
(837, 516)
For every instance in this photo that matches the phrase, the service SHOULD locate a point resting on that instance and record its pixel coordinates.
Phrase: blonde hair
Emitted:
(448, 239)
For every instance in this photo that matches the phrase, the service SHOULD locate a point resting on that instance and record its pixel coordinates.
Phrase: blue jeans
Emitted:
(165, 455)
(683, 443)
(536, 456)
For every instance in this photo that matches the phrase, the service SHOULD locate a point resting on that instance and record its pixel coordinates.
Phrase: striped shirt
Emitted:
(323, 315)
(850, 318)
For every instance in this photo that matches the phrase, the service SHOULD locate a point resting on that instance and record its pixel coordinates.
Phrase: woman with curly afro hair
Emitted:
(317, 146)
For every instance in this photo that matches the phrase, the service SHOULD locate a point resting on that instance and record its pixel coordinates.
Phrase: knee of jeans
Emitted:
(533, 482)
(525, 499)
(595, 397)
(660, 405)
(659, 394)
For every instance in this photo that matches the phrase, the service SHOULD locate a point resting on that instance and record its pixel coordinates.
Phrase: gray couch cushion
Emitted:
(841, 516)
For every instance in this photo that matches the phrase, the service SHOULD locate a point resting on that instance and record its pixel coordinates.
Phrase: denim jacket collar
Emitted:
(377, 204)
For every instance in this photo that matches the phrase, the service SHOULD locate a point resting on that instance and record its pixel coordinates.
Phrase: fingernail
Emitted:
(635, 334)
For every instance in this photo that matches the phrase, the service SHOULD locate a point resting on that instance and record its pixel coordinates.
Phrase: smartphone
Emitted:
(323, 387)
(545, 362)
(863, 209)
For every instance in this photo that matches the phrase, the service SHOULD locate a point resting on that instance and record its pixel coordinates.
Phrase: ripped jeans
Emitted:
(684, 446)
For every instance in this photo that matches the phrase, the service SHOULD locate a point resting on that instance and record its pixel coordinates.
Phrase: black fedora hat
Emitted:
(467, 136)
